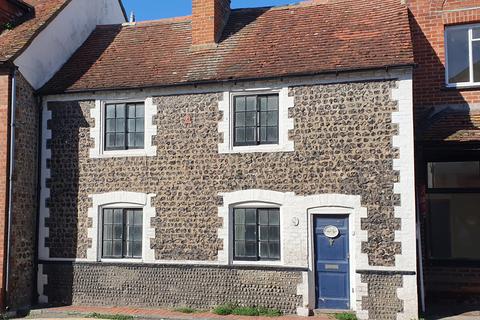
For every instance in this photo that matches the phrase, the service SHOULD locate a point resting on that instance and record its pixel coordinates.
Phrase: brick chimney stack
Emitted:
(208, 20)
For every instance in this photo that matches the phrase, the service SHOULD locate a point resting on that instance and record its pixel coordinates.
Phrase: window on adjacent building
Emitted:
(124, 126)
(463, 55)
(255, 120)
(454, 214)
(257, 233)
(122, 233)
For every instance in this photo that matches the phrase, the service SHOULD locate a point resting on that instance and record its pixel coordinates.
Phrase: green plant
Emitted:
(345, 316)
(246, 311)
(185, 310)
(269, 312)
(109, 316)
(224, 309)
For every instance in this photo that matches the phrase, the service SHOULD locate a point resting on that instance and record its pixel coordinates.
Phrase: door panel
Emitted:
(332, 279)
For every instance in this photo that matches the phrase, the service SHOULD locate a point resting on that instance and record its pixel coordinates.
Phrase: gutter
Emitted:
(39, 187)
(10, 180)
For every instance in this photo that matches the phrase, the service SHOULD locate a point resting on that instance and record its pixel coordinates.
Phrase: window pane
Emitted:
(250, 134)
(130, 217)
(263, 134)
(240, 119)
(110, 111)
(272, 103)
(117, 248)
(263, 230)
(107, 216)
(458, 56)
(264, 250)
(138, 217)
(274, 233)
(252, 103)
(274, 250)
(476, 60)
(107, 249)
(120, 108)
(251, 232)
(240, 216)
(240, 135)
(454, 224)
(263, 216)
(110, 140)
(120, 140)
(110, 125)
(140, 125)
(117, 231)
(131, 125)
(120, 125)
(239, 104)
(251, 249)
(240, 232)
(272, 134)
(137, 249)
(140, 111)
(272, 117)
(240, 248)
(131, 140)
(118, 216)
(454, 174)
(250, 216)
(108, 232)
(263, 118)
(476, 33)
(131, 110)
(263, 103)
(139, 138)
(274, 217)
(250, 119)
(137, 233)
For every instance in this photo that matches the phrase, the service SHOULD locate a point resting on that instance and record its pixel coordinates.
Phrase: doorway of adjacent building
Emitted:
(332, 265)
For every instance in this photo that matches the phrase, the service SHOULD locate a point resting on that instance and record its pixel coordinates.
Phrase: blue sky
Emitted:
(157, 9)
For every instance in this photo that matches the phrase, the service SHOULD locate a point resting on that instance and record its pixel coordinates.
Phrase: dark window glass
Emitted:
(255, 120)
(457, 175)
(458, 55)
(256, 234)
(124, 126)
(122, 233)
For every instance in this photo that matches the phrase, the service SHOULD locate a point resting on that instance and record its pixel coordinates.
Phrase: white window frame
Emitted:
(285, 124)
(470, 83)
(97, 133)
(121, 199)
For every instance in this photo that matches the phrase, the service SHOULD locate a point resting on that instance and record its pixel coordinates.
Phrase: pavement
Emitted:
(76, 312)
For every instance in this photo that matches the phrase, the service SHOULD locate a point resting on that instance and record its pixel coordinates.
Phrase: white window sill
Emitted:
(463, 86)
(124, 153)
(275, 263)
(259, 148)
(130, 261)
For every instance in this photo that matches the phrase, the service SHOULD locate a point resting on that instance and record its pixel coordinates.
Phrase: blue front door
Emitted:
(332, 262)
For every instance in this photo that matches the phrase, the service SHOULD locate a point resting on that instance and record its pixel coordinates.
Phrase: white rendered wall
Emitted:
(49, 51)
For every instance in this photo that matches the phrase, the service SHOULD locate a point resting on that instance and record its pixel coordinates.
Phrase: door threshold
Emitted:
(331, 311)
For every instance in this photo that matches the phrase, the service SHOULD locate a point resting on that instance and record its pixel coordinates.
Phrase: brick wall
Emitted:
(428, 19)
(208, 19)
(4, 145)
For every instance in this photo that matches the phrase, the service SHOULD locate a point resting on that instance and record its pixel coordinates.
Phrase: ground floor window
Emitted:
(257, 233)
(122, 233)
(454, 210)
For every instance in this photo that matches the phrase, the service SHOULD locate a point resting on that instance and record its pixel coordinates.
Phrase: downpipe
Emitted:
(10, 183)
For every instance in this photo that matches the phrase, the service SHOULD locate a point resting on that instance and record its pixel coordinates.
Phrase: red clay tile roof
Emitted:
(453, 126)
(256, 43)
(12, 42)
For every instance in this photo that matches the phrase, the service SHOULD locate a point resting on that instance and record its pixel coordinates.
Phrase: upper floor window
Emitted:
(124, 126)
(255, 120)
(463, 55)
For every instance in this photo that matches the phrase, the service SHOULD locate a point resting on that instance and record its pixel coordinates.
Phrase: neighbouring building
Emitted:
(36, 38)
(446, 44)
(260, 156)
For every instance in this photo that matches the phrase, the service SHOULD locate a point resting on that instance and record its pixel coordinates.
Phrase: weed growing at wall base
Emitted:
(230, 308)
(345, 316)
(109, 316)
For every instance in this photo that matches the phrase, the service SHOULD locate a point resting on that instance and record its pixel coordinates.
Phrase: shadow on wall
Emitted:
(68, 126)
(435, 124)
